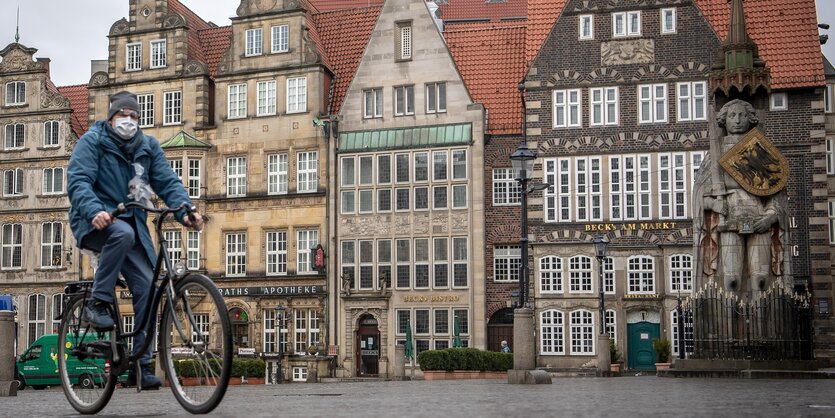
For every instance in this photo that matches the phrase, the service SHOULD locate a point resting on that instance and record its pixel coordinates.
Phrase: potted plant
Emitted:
(614, 357)
(663, 352)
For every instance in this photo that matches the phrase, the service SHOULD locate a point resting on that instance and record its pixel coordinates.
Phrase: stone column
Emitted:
(524, 346)
(603, 355)
(8, 386)
(399, 362)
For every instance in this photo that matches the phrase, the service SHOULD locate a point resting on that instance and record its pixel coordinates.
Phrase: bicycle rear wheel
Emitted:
(196, 360)
(84, 357)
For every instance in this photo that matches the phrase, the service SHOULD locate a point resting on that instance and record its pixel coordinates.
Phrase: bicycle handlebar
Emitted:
(123, 207)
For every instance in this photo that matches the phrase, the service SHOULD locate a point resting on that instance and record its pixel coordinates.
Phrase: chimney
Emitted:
(45, 64)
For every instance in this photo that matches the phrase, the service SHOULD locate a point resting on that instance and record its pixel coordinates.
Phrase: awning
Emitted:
(403, 138)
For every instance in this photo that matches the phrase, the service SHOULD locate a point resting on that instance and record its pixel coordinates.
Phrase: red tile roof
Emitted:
(331, 5)
(195, 25)
(79, 101)
(344, 35)
(483, 10)
(492, 62)
(214, 42)
(317, 40)
(542, 14)
(786, 34)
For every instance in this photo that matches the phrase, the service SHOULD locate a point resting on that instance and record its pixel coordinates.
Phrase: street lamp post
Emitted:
(279, 313)
(523, 160)
(603, 354)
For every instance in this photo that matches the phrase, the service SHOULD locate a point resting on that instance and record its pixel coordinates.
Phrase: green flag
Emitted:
(410, 352)
(456, 332)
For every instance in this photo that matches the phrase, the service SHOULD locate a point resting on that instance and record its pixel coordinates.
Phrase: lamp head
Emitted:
(523, 160)
(600, 243)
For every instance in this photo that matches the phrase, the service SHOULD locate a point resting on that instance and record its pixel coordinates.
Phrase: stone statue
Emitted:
(740, 238)
(346, 283)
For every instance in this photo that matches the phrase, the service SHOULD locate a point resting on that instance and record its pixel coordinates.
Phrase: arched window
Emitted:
(612, 324)
(641, 274)
(550, 274)
(681, 273)
(37, 316)
(582, 332)
(551, 332)
(579, 274)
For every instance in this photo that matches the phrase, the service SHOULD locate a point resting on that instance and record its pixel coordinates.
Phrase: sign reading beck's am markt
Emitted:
(273, 290)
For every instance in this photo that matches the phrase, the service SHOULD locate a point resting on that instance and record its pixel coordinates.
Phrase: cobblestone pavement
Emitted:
(646, 396)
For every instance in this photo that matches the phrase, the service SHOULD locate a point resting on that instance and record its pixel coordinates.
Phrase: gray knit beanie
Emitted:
(122, 100)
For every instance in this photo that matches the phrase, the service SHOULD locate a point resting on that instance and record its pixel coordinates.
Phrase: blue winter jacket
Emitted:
(98, 176)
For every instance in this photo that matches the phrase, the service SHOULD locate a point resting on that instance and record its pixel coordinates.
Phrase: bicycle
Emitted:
(186, 349)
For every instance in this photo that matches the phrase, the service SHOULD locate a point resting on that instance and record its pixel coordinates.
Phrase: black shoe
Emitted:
(98, 316)
(149, 380)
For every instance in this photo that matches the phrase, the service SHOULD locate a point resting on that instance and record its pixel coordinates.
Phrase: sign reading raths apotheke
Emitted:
(273, 290)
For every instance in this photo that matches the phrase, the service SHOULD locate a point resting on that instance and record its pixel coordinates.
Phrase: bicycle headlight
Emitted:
(179, 269)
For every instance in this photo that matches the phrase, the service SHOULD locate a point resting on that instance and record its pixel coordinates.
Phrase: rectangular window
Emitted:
(296, 95)
(53, 180)
(266, 98)
(236, 254)
(436, 97)
(609, 275)
(439, 165)
(384, 169)
(236, 176)
(281, 38)
(254, 42)
(579, 274)
(688, 333)
(459, 196)
(348, 258)
(277, 174)
(307, 174)
(193, 250)
(568, 110)
(626, 24)
(779, 101)
(37, 317)
(421, 321)
(830, 156)
(146, 109)
(133, 57)
(441, 321)
(404, 41)
(506, 190)
(831, 223)
(12, 246)
(306, 240)
(828, 98)
(15, 136)
(459, 164)
(177, 167)
(550, 275)
(402, 169)
(421, 263)
(366, 264)
(564, 186)
(372, 103)
(348, 172)
(506, 263)
(691, 101)
(384, 261)
(383, 200)
(404, 100)
(50, 133)
(652, 103)
(52, 241)
(604, 106)
(276, 243)
(582, 332)
(611, 325)
(237, 101)
(402, 199)
(672, 186)
(173, 109)
(404, 269)
(366, 177)
(421, 198)
(440, 197)
(668, 20)
(57, 310)
(551, 332)
(641, 275)
(193, 178)
(15, 93)
(460, 260)
(13, 182)
(586, 27)
(159, 53)
(681, 273)
(440, 270)
(175, 245)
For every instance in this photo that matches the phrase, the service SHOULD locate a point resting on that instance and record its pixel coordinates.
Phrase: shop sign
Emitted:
(606, 227)
(246, 351)
(273, 290)
(431, 298)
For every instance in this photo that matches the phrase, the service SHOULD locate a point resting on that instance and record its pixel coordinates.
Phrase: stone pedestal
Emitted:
(8, 386)
(524, 351)
(399, 362)
(604, 358)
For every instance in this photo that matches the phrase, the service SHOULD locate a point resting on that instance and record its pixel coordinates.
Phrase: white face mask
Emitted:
(125, 127)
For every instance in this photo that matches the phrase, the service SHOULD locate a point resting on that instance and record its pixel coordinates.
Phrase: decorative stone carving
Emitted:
(173, 20)
(632, 51)
(51, 99)
(16, 57)
(99, 79)
(311, 53)
(193, 67)
(120, 27)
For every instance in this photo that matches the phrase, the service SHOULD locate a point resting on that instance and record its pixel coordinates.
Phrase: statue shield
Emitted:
(756, 164)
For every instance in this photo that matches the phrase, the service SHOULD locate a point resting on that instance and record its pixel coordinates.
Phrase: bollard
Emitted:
(8, 386)
(399, 362)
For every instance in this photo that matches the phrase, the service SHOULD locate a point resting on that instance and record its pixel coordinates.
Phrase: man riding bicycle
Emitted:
(113, 160)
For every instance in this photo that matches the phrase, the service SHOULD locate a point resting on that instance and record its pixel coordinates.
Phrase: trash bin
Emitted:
(6, 303)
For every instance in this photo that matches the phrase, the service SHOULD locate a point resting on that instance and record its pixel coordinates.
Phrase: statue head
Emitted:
(737, 116)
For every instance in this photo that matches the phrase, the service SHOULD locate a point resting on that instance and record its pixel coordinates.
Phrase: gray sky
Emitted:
(73, 32)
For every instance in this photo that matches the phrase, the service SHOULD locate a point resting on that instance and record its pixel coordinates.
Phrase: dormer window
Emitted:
(254, 42)
(668, 20)
(133, 57)
(626, 24)
(586, 27)
(15, 93)
(158, 54)
(403, 47)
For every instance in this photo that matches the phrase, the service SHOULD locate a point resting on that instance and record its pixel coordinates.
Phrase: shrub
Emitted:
(613, 352)
(465, 359)
(663, 350)
(240, 367)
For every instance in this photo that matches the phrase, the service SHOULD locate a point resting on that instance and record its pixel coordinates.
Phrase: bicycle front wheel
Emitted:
(83, 358)
(196, 357)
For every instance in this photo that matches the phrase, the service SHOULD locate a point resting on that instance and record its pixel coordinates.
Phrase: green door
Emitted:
(640, 355)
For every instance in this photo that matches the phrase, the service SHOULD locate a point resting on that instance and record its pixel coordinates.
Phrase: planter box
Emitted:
(614, 367)
(462, 374)
(662, 366)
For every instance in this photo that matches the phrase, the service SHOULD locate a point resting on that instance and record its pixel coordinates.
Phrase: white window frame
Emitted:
(159, 53)
(276, 253)
(51, 133)
(435, 95)
(237, 101)
(404, 31)
(585, 27)
(175, 244)
(672, 186)
(235, 254)
(640, 279)
(551, 275)
(631, 24)
(306, 239)
(53, 181)
(508, 260)
(580, 273)
(133, 56)
(568, 108)
(13, 182)
(16, 91)
(194, 173)
(36, 318)
(829, 98)
(173, 108)
(266, 98)
(280, 39)
(690, 102)
(551, 332)
(11, 241)
(607, 107)
(297, 95)
(372, 103)
(831, 208)
(830, 155)
(564, 203)
(193, 250)
(608, 275)
(680, 267)
(17, 139)
(404, 96)
(656, 96)
(52, 242)
(307, 172)
(611, 320)
(146, 109)
(254, 42)
(581, 331)
(277, 174)
(236, 178)
(57, 310)
(778, 101)
(460, 262)
(668, 29)
(506, 190)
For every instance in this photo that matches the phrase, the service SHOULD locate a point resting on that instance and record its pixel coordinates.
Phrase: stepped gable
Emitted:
(79, 101)
(492, 62)
(343, 36)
